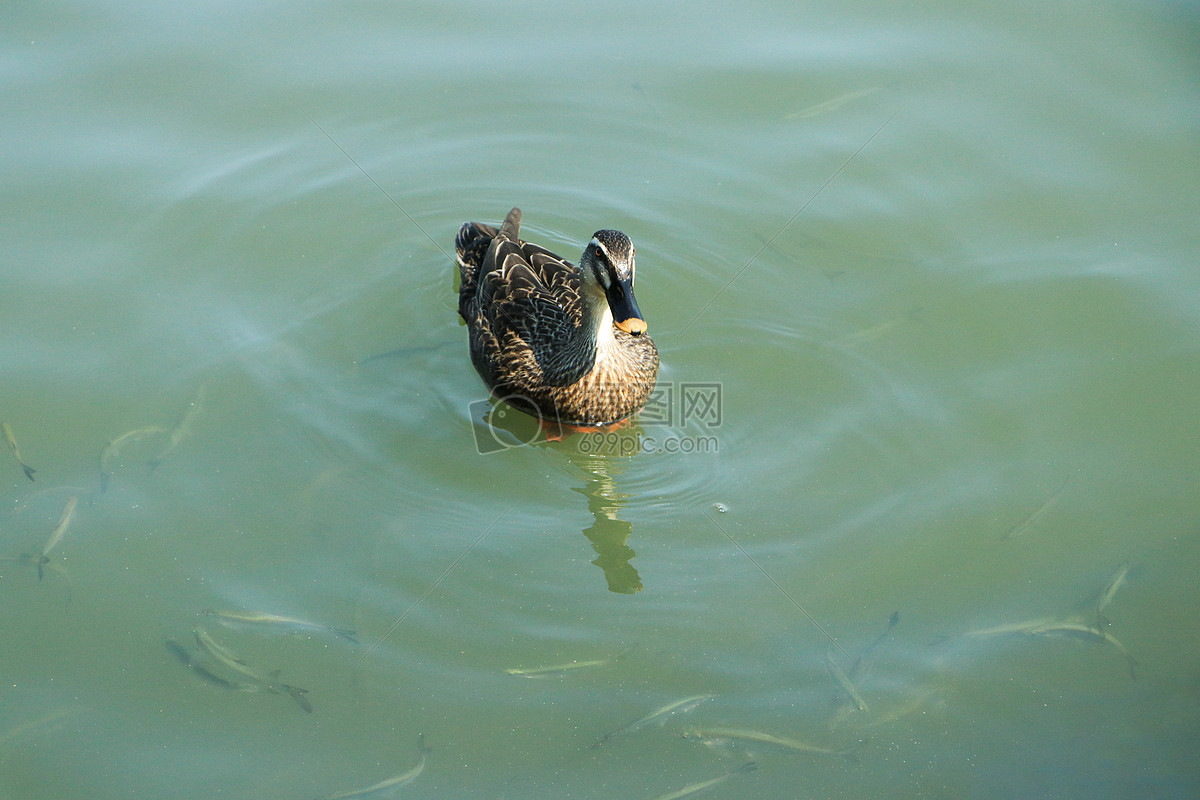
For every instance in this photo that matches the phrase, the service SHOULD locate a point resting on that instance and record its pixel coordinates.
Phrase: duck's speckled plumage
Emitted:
(562, 342)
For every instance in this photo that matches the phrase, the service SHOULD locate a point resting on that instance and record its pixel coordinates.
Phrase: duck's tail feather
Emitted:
(471, 247)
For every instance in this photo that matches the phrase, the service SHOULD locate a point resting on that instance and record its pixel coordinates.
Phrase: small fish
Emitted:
(16, 451)
(554, 669)
(696, 788)
(223, 655)
(267, 680)
(851, 701)
(1079, 630)
(844, 681)
(831, 105)
(236, 619)
(183, 428)
(200, 668)
(41, 563)
(1012, 627)
(179, 651)
(57, 534)
(297, 694)
(47, 723)
(716, 735)
(409, 352)
(879, 329)
(113, 447)
(394, 782)
(1034, 515)
(913, 704)
(1110, 590)
(658, 716)
(870, 649)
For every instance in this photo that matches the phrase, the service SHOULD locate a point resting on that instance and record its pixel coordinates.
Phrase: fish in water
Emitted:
(696, 788)
(851, 700)
(1079, 630)
(930, 696)
(831, 105)
(113, 448)
(658, 716)
(182, 428)
(16, 451)
(1068, 628)
(238, 619)
(557, 669)
(267, 680)
(1110, 591)
(1036, 514)
(745, 735)
(843, 680)
(57, 534)
(393, 782)
(201, 668)
(1012, 627)
(41, 564)
(47, 723)
(870, 649)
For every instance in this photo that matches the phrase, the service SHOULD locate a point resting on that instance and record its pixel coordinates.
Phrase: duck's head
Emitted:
(607, 267)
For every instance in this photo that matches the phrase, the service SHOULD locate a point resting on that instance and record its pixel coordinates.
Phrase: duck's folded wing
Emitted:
(526, 316)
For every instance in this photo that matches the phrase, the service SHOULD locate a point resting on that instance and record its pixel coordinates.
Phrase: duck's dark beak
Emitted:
(625, 311)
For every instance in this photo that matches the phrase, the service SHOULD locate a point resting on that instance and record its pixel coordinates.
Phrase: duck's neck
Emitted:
(598, 323)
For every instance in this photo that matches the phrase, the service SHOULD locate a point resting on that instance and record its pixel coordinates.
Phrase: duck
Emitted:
(564, 343)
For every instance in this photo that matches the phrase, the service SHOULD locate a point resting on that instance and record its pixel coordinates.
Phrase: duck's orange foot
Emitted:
(557, 431)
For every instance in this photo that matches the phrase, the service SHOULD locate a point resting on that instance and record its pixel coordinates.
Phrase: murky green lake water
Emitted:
(925, 284)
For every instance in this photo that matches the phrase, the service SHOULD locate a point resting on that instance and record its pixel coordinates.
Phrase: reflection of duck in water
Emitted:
(566, 344)
(608, 533)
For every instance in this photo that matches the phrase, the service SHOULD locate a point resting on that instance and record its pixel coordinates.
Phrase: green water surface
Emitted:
(925, 284)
